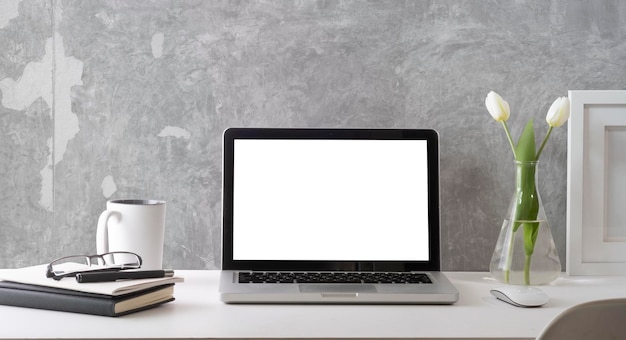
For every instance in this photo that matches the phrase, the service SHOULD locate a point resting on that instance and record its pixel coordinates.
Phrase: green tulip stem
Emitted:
(509, 259)
(525, 216)
(527, 269)
(508, 135)
(543, 144)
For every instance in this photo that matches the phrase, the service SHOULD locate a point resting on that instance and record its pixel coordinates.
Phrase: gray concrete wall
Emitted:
(119, 99)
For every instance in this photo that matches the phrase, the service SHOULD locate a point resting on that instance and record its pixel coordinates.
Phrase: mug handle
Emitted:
(102, 233)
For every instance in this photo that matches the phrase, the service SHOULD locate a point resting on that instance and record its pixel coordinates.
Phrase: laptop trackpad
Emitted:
(337, 288)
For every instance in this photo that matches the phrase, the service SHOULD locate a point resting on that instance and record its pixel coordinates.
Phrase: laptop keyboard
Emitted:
(332, 277)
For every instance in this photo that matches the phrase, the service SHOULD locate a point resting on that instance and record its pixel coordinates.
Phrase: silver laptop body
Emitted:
(331, 216)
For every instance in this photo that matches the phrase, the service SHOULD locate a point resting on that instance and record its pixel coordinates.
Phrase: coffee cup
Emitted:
(134, 225)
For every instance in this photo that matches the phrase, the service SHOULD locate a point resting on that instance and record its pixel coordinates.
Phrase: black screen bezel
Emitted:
(429, 135)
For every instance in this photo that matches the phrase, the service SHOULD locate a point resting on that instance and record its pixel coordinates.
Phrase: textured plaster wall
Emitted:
(117, 99)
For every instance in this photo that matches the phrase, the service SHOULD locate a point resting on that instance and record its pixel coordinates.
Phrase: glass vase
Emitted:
(525, 253)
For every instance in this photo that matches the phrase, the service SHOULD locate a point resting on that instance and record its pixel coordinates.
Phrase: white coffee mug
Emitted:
(134, 225)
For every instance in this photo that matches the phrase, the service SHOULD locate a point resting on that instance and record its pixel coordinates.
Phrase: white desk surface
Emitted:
(197, 313)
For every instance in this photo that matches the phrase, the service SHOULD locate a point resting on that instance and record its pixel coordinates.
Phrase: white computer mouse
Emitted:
(520, 296)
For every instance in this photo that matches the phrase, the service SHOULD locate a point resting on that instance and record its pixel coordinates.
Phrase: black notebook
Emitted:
(41, 297)
(29, 287)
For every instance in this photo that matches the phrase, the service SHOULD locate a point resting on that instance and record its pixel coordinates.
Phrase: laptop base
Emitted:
(443, 292)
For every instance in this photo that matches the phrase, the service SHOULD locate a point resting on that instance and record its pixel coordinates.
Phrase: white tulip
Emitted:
(498, 108)
(558, 113)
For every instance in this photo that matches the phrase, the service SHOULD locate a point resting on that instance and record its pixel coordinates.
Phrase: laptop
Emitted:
(331, 216)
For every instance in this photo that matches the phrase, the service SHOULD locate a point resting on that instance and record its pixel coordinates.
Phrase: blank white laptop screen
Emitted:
(335, 200)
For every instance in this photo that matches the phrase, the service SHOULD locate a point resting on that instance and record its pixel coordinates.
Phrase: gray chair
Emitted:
(595, 320)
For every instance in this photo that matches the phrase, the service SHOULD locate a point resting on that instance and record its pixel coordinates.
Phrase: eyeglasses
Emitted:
(72, 265)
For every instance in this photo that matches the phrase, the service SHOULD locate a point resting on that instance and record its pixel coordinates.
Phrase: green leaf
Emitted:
(525, 150)
(531, 230)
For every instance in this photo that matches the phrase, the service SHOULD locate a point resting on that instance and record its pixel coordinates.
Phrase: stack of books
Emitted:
(29, 287)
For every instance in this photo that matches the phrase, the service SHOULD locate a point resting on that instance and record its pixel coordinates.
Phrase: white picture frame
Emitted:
(596, 183)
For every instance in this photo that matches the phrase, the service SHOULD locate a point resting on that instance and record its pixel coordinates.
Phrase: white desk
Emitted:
(198, 313)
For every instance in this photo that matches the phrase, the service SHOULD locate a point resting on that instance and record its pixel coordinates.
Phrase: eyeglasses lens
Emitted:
(71, 264)
(121, 260)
